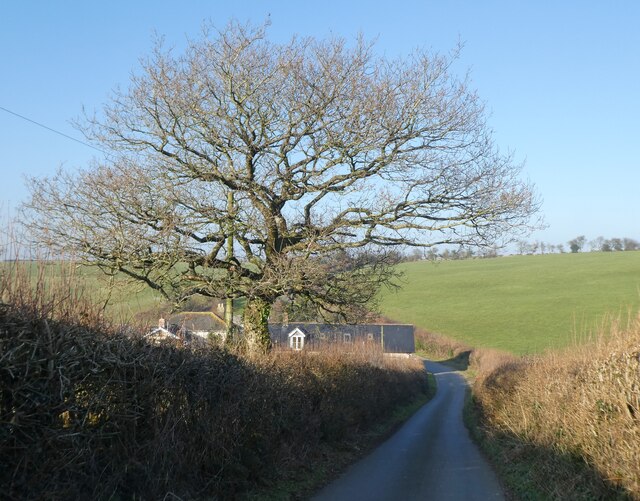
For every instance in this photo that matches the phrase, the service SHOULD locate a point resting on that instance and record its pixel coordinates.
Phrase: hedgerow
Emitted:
(89, 410)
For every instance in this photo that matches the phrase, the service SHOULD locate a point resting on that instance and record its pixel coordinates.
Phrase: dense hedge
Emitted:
(89, 412)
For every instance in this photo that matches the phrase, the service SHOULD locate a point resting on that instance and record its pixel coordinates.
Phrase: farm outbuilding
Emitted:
(394, 338)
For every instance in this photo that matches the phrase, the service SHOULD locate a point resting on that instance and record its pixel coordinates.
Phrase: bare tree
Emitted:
(576, 244)
(246, 168)
(630, 244)
(522, 246)
(597, 244)
(617, 244)
(543, 247)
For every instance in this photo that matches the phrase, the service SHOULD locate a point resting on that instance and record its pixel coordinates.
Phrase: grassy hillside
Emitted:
(125, 300)
(521, 304)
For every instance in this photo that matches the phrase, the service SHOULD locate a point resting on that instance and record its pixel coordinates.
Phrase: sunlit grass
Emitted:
(121, 299)
(521, 304)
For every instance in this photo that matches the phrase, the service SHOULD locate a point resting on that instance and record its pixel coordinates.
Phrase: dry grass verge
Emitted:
(92, 411)
(458, 355)
(567, 425)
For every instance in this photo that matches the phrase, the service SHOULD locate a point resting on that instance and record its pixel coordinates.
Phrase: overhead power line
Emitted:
(52, 130)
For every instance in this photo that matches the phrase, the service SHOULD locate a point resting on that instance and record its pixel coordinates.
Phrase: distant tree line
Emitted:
(522, 247)
(461, 252)
(601, 244)
(538, 247)
(579, 244)
(614, 244)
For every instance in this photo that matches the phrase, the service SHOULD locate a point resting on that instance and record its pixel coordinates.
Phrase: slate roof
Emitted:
(197, 321)
(395, 338)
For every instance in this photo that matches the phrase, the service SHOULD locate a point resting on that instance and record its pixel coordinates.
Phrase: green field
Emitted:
(125, 300)
(522, 304)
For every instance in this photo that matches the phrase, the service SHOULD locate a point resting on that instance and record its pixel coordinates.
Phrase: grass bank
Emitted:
(121, 300)
(519, 304)
(566, 425)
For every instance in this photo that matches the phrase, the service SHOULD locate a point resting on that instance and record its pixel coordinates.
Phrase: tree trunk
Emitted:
(228, 310)
(256, 325)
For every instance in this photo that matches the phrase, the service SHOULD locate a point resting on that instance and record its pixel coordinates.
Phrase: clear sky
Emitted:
(561, 80)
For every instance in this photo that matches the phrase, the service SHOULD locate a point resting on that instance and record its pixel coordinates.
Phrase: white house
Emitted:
(160, 334)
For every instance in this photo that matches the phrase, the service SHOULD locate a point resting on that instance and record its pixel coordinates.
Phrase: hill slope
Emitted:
(521, 304)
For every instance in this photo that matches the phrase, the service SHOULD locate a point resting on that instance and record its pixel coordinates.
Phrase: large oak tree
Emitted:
(247, 168)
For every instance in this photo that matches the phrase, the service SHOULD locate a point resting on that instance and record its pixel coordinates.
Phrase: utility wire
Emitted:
(53, 130)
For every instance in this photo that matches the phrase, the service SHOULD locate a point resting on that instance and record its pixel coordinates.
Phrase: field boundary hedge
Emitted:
(567, 424)
(89, 410)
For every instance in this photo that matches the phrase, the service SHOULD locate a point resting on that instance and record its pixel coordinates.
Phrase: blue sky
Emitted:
(560, 80)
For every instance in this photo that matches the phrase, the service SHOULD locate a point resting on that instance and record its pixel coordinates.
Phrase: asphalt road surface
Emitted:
(431, 457)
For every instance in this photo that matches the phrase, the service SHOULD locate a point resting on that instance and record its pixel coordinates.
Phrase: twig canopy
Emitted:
(329, 152)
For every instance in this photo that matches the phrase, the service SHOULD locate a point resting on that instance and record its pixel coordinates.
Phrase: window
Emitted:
(296, 339)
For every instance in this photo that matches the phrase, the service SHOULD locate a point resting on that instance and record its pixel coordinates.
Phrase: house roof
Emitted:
(394, 338)
(160, 332)
(198, 321)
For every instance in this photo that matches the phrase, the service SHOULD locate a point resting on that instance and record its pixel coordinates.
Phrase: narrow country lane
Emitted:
(431, 457)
